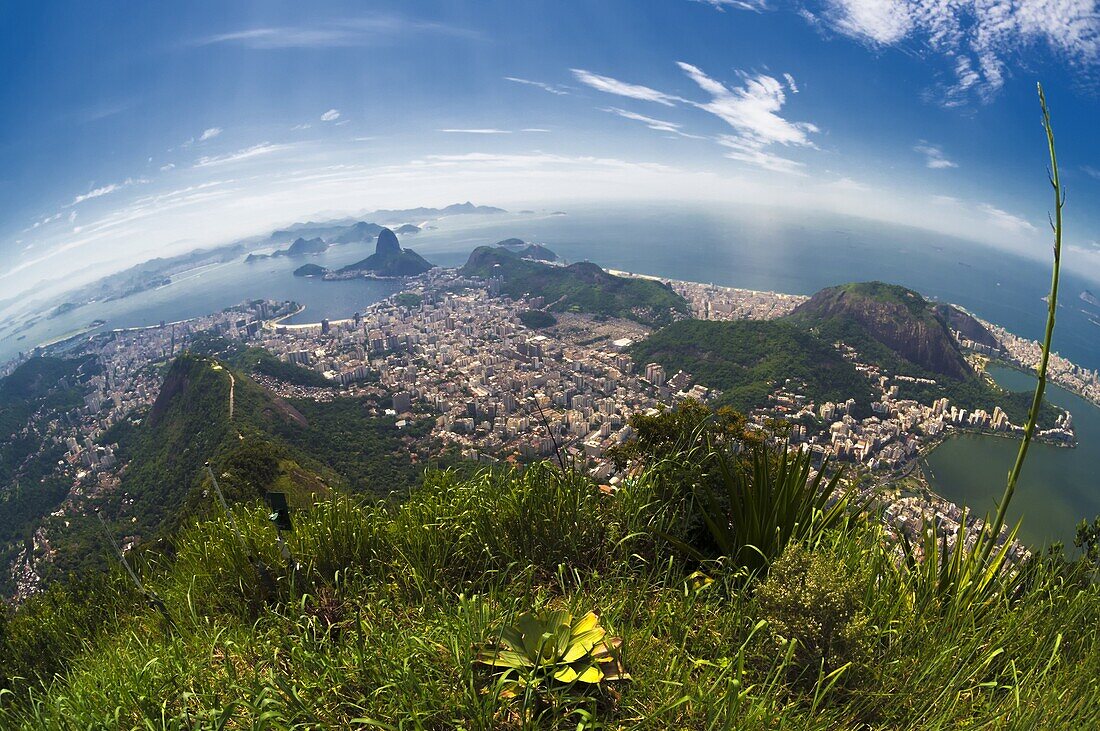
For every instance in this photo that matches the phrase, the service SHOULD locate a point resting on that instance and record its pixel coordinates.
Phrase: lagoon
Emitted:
(1058, 487)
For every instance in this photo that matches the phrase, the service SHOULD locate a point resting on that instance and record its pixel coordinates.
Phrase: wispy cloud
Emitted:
(534, 129)
(609, 85)
(721, 5)
(169, 166)
(264, 148)
(1004, 219)
(477, 131)
(1090, 171)
(539, 84)
(933, 156)
(658, 124)
(979, 37)
(367, 30)
(210, 133)
(106, 190)
(653, 123)
(331, 115)
(303, 125)
(753, 111)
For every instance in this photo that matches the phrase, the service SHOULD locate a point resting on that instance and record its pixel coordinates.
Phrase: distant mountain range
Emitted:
(454, 209)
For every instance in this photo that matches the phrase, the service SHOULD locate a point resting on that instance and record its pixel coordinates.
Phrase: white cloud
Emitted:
(659, 125)
(1090, 171)
(849, 185)
(621, 88)
(96, 193)
(721, 5)
(166, 168)
(303, 125)
(209, 134)
(106, 190)
(541, 85)
(534, 129)
(790, 83)
(933, 156)
(264, 148)
(753, 111)
(346, 32)
(980, 37)
(1004, 219)
(477, 131)
(330, 116)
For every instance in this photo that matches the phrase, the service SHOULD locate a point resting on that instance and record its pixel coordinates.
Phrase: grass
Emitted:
(379, 627)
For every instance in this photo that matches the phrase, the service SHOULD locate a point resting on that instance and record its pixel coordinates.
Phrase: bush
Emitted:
(815, 600)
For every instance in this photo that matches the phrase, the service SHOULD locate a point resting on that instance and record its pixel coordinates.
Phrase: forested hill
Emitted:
(580, 287)
(304, 448)
(747, 359)
(896, 318)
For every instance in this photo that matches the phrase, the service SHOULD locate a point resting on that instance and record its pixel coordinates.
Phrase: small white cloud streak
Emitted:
(609, 85)
(106, 190)
(364, 30)
(209, 134)
(721, 5)
(1005, 220)
(933, 156)
(538, 84)
(264, 148)
(476, 131)
(331, 115)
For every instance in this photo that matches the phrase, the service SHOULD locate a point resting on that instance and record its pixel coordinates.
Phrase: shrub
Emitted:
(814, 599)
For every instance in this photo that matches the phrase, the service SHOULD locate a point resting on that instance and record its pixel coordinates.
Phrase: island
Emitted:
(309, 270)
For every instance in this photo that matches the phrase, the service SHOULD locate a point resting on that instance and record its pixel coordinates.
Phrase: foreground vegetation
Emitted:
(382, 623)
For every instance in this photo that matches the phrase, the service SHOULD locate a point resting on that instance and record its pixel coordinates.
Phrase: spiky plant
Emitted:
(553, 647)
(758, 508)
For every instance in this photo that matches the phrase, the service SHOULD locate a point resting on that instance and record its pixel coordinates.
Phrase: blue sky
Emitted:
(134, 130)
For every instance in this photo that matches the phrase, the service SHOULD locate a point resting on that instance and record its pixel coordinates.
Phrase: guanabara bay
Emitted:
(632, 364)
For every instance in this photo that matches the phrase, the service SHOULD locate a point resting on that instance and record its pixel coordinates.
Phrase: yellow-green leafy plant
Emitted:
(552, 647)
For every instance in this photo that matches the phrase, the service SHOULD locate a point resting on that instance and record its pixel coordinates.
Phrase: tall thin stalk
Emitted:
(1052, 305)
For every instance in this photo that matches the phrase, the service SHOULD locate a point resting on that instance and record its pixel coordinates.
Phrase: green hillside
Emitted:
(580, 287)
(30, 486)
(896, 327)
(301, 447)
(746, 359)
